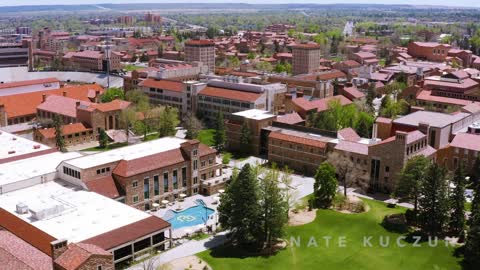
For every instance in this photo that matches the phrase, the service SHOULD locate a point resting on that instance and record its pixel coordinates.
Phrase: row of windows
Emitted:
(71, 172)
(298, 147)
(224, 101)
(417, 146)
(103, 170)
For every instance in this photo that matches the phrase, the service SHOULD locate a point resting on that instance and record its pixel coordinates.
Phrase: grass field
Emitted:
(110, 147)
(355, 255)
(205, 136)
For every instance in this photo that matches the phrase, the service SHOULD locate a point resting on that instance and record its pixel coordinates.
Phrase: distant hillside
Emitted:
(205, 6)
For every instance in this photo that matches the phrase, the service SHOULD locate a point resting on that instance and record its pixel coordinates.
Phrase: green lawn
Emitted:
(205, 136)
(468, 206)
(354, 256)
(110, 147)
(132, 67)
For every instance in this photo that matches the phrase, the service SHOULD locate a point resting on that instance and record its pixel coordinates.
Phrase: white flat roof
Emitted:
(85, 214)
(255, 114)
(17, 145)
(20, 170)
(127, 153)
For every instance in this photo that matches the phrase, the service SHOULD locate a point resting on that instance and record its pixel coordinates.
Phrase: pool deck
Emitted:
(187, 203)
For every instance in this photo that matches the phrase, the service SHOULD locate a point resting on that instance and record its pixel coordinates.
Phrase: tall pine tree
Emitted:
(433, 201)
(219, 138)
(471, 258)
(240, 210)
(58, 126)
(457, 200)
(410, 180)
(245, 139)
(325, 185)
(274, 206)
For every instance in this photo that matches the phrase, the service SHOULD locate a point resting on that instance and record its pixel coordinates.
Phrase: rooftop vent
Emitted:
(22, 208)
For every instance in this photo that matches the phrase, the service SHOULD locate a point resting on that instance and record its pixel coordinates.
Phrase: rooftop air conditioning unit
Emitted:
(22, 208)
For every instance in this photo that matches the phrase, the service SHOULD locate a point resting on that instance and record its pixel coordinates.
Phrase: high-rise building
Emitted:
(306, 58)
(201, 50)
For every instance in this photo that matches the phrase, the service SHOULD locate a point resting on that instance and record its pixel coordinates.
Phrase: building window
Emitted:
(135, 198)
(195, 165)
(156, 185)
(184, 176)
(202, 164)
(134, 184)
(175, 179)
(165, 182)
(387, 169)
(146, 188)
(195, 180)
(195, 152)
(99, 267)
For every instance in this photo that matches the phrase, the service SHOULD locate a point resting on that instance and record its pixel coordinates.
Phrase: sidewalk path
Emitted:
(189, 248)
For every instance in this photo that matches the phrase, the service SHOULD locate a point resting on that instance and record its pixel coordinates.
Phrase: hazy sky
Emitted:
(465, 3)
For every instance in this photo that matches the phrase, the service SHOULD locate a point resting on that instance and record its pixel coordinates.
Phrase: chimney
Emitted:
(58, 247)
(401, 136)
(64, 93)
(299, 93)
(44, 97)
(348, 84)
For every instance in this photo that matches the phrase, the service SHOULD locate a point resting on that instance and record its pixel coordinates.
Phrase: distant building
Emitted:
(126, 20)
(153, 18)
(24, 30)
(201, 50)
(92, 61)
(305, 58)
(14, 54)
(430, 51)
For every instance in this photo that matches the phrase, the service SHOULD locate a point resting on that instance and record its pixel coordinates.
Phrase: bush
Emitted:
(226, 158)
(409, 215)
(395, 223)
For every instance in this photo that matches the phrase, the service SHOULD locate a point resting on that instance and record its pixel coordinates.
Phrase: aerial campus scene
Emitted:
(249, 135)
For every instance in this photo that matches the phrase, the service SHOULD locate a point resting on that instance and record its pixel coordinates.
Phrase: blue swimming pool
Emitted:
(192, 216)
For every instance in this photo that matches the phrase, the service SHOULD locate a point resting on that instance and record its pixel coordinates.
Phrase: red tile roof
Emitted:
(194, 42)
(353, 93)
(453, 86)
(78, 254)
(323, 76)
(296, 139)
(114, 105)
(128, 233)
(62, 105)
(27, 83)
(414, 136)
(348, 134)
(306, 46)
(291, 118)
(383, 120)
(320, 104)
(466, 141)
(427, 96)
(26, 232)
(104, 186)
(126, 168)
(26, 104)
(352, 147)
(163, 84)
(18, 254)
(230, 94)
(49, 133)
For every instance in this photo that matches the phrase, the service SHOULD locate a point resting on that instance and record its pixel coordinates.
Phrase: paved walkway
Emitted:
(190, 248)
